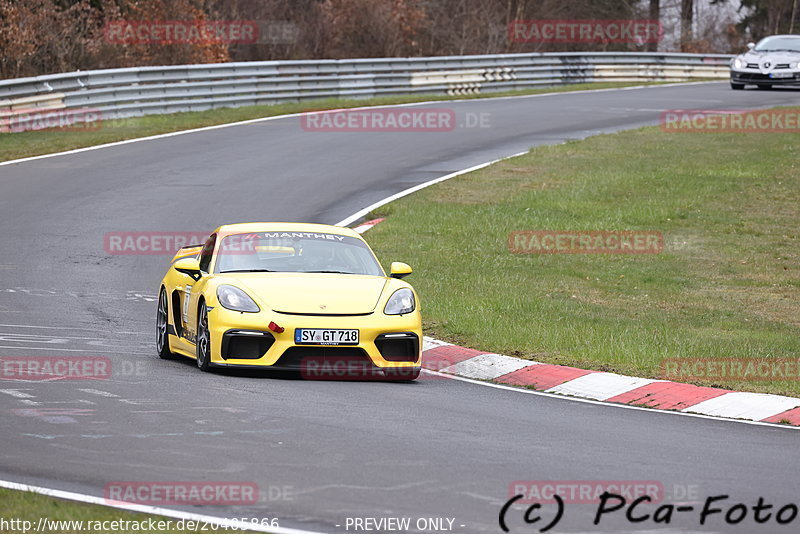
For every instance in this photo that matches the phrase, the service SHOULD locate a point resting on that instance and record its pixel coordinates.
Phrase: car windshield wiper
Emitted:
(332, 272)
(248, 271)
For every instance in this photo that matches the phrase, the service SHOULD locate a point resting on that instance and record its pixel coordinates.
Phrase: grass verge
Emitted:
(35, 143)
(62, 517)
(726, 286)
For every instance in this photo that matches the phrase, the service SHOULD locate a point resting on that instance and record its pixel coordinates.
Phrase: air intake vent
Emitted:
(400, 347)
(245, 344)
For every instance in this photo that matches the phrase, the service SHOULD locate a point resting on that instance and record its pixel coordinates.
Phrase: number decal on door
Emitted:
(186, 294)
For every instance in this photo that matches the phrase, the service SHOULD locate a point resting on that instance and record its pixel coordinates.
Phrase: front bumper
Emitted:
(755, 77)
(245, 340)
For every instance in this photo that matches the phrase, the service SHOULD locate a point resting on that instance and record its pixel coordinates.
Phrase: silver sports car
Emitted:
(774, 60)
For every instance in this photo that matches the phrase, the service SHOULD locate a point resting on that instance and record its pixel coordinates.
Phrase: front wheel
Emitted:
(203, 339)
(737, 86)
(162, 322)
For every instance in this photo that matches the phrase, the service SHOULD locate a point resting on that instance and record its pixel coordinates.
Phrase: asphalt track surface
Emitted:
(323, 451)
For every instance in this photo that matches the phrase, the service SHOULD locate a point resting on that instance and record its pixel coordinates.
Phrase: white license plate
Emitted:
(328, 336)
(781, 75)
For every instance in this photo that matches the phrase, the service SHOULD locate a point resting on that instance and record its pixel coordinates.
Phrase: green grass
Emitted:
(34, 143)
(31, 507)
(727, 284)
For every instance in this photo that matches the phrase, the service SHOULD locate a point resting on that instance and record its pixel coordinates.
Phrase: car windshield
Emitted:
(296, 252)
(779, 44)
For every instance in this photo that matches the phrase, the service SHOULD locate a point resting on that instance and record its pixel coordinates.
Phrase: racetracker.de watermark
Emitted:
(585, 242)
(322, 368)
(55, 368)
(731, 121)
(731, 369)
(583, 491)
(197, 493)
(67, 120)
(392, 120)
(585, 31)
(201, 32)
(150, 243)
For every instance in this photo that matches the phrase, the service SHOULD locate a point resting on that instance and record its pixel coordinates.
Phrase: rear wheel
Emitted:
(737, 86)
(203, 339)
(162, 322)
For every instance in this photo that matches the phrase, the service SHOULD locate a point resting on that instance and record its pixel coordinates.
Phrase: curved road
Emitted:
(323, 451)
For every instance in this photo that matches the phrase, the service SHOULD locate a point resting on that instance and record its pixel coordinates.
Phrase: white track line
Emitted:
(60, 328)
(608, 404)
(361, 213)
(17, 393)
(290, 115)
(42, 336)
(89, 350)
(146, 509)
(99, 392)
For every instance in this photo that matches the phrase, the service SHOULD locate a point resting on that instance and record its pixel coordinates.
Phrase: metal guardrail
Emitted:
(128, 92)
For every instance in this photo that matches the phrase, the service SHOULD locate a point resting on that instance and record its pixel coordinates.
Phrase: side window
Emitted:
(206, 253)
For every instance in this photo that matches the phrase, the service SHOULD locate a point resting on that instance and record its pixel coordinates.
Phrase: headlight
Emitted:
(738, 63)
(235, 299)
(400, 303)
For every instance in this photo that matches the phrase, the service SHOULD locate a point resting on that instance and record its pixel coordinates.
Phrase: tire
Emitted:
(162, 324)
(737, 86)
(401, 374)
(765, 87)
(203, 348)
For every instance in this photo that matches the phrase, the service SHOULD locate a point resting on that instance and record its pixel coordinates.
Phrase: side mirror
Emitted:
(190, 266)
(750, 46)
(400, 270)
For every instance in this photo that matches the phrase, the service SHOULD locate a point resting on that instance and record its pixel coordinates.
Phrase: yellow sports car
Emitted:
(302, 297)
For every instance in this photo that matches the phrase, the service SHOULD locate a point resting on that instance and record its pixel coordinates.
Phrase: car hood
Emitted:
(775, 58)
(318, 294)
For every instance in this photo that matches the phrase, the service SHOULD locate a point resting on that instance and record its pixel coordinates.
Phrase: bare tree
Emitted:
(687, 21)
(655, 14)
(43, 36)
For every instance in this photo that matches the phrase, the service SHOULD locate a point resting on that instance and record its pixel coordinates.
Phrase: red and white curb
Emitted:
(446, 358)
(363, 227)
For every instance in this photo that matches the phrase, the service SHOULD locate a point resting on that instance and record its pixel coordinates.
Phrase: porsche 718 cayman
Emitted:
(289, 296)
